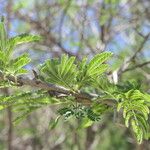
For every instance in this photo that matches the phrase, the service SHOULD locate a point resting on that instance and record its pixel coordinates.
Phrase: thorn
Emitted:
(35, 74)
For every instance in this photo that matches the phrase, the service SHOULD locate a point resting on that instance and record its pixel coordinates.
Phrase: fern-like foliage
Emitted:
(61, 72)
(79, 112)
(9, 65)
(23, 38)
(79, 78)
(135, 113)
(89, 72)
(88, 115)
(27, 102)
(67, 73)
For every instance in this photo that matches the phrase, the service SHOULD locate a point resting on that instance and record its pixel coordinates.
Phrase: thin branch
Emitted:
(140, 48)
(127, 61)
(137, 66)
(49, 38)
(84, 98)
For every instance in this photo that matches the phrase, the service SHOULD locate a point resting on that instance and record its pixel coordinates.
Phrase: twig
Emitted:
(137, 66)
(49, 37)
(80, 97)
(140, 48)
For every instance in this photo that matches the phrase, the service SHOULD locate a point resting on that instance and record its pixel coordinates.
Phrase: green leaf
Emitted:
(23, 116)
(64, 60)
(86, 122)
(53, 123)
(7, 64)
(2, 56)
(89, 73)
(21, 71)
(61, 72)
(15, 66)
(3, 37)
(97, 71)
(24, 38)
(67, 73)
(135, 112)
(83, 63)
(98, 59)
